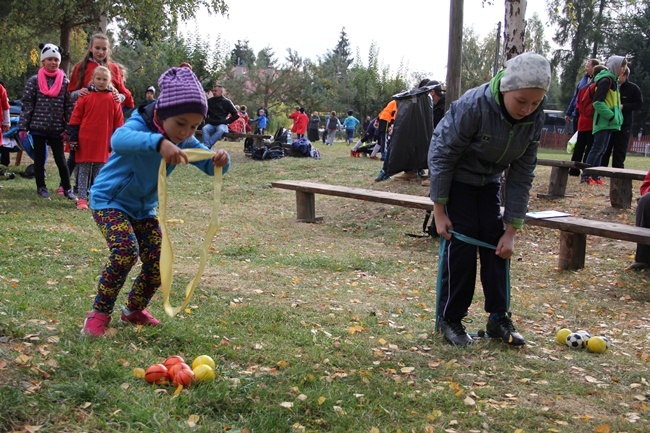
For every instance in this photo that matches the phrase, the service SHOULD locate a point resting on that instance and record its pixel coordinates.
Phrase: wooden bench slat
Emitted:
(404, 200)
(604, 229)
(619, 173)
(560, 163)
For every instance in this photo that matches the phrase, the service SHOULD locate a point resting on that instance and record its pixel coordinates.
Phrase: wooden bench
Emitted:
(559, 176)
(306, 200)
(573, 231)
(620, 186)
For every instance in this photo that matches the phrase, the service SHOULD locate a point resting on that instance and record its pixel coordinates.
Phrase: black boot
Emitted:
(454, 332)
(503, 328)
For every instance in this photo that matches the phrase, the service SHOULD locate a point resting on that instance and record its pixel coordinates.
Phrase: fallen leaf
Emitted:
(407, 370)
(321, 400)
(603, 428)
(286, 404)
(86, 405)
(178, 390)
(32, 428)
(125, 386)
(193, 420)
(469, 401)
(138, 373)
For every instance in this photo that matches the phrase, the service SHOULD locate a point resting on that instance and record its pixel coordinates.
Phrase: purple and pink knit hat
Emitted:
(180, 93)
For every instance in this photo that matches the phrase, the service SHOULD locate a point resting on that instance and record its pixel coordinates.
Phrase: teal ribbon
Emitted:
(441, 255)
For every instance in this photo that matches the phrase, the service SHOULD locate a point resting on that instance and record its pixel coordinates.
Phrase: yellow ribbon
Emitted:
(167, 254)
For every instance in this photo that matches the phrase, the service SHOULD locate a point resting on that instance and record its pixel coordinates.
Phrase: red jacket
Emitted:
(300, 122)
(116, 79)
(645, 186)
(4, 100)
(97, 116)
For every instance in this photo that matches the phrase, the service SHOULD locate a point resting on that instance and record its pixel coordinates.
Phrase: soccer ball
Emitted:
(575, 340)
(585, 336)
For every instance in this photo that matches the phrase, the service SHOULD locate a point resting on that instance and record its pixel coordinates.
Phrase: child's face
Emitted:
(99, 48)
(520, 103)
(101, 80)
(51, 64)
(260, 113)
(180, 128)
(149, 96)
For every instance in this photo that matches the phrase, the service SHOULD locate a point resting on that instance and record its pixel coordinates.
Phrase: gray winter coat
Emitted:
(474, 143)
(44, 115)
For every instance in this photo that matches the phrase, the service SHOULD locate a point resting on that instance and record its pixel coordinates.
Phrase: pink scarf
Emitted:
(56, 87)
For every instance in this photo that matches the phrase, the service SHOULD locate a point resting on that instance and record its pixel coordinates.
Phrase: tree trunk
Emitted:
(64, 43)
(598, 29)
(514, 28)
(454, 55)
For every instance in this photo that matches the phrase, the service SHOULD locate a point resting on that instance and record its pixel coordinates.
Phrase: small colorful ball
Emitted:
(585, 335)
(175, 359)
(203, 359)
(561, 335)
(156, 373)
(597, 345)
(575, 341)
(184, 377)
(173, 371)
(203, 373)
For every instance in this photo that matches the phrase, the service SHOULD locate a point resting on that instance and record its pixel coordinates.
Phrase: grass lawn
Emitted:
(316, 327)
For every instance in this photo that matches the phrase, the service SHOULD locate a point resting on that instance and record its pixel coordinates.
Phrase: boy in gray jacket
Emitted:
(491, 128)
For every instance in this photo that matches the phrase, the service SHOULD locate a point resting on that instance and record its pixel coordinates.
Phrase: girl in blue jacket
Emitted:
(124, 196)
(491, 128)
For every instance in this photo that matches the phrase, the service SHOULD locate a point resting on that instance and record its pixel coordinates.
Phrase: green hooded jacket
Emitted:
(608, 115)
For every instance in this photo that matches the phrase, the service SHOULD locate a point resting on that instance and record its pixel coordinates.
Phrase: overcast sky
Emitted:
(411, 32)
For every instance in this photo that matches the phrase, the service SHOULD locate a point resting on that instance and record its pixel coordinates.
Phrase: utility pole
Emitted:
(454, 54)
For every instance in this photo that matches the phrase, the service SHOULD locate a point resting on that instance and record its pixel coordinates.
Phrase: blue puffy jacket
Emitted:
(129, 180)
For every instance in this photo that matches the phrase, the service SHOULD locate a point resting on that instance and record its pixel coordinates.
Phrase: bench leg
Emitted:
(559, 179)
(620, 193)
(573, 248)
(306, 207)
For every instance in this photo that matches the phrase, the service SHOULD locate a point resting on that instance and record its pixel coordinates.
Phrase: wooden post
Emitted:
(559, 179)
(573, 248)
(306, 207)
(620, 193)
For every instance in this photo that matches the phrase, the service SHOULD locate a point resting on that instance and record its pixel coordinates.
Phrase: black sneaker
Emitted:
(454, 332)
(69, 194)
(43, 193)
(504, 329)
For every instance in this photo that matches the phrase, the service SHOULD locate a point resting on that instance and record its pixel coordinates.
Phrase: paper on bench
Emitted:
(547, 214)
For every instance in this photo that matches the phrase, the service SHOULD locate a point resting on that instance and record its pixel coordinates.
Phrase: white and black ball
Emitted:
(575, 340)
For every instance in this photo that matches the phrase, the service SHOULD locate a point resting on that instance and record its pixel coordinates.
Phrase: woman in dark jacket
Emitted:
(312, 127)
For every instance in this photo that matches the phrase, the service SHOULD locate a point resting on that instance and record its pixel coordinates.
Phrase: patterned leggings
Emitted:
(127, 239)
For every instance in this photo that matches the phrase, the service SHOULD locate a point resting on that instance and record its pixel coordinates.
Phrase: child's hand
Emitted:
(220, 158)
(171, 153)
(83, 91)
(443, 223)
(74, 146)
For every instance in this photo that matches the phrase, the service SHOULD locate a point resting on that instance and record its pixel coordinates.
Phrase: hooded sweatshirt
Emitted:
(607, 98)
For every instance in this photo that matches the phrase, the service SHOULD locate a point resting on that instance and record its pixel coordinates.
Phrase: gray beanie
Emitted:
(526, 71)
